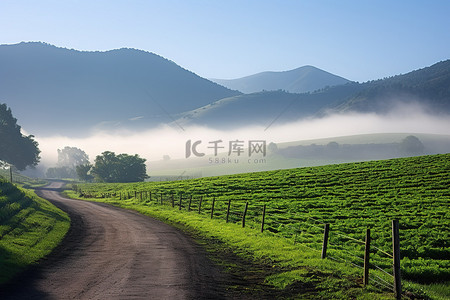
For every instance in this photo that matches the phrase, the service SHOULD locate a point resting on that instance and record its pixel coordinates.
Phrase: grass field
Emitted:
(25, 181)
(350, 197)
(30, 228)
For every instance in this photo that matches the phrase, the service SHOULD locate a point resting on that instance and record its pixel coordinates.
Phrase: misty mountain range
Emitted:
(428, 88)
(45, 85)
(54, 90)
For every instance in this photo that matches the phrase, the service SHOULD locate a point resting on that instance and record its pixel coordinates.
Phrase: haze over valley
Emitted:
(133, 101)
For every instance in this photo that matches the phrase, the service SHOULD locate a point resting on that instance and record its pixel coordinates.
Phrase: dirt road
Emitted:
(111, 253)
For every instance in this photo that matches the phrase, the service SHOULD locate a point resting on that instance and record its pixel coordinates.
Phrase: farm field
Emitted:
(30, 227)
(350, 197)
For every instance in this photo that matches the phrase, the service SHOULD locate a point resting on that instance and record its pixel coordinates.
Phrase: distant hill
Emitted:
(265, 108)
(429, 87)
(300, 80)
(54, 90)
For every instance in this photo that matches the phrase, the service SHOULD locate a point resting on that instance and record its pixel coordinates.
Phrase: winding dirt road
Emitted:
(111, 253)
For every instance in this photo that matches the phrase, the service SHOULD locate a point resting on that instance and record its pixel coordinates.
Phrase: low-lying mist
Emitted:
(170, 140)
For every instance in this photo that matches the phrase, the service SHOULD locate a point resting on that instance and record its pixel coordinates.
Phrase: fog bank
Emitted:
(153, 144)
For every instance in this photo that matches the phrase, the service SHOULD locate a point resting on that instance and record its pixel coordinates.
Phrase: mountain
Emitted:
(54, 90)
(265, 108)
(429, 87)
(300, 80)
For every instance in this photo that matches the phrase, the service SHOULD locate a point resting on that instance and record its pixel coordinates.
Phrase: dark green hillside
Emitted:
(428, 86)
(351, 197)
(46, 85)
(264, 108)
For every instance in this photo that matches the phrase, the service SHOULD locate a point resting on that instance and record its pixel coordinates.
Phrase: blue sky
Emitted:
(359, 40)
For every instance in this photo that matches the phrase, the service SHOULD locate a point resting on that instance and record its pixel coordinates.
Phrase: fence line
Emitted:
(245, 212)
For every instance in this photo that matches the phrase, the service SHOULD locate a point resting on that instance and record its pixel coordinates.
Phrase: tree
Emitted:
(121, 168)
(83, 172)
(411, 145)
(15, 148)
(71, 157)
(272, 148)
(332, 146)
(60, 172)
(68, 160)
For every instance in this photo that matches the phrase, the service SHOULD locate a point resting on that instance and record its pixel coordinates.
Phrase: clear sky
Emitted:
(359, 40)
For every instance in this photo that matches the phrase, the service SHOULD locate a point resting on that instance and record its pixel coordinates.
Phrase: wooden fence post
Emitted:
(245, 213)
(396, 259)
(190, 201)
(181, 198)
(326, 231)
(212, 207)
(150, 196)
(173, 200)
(228, 209)
(200, 204)
(366, 258)
(141, 196)
(263, 218)
(161, 199)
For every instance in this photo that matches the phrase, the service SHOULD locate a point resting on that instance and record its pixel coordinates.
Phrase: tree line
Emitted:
(107, 167)
(22, 151)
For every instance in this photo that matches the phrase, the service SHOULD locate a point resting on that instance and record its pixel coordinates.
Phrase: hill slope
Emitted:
(52, 89)
(428, 87)
(264, 108)
(300, 80)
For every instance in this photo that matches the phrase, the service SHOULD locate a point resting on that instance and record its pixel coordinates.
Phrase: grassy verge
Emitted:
(277, 267)
(350, 197)
(24, 181)
(30, 228)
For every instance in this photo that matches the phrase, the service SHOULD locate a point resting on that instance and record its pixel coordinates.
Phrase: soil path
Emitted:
(111, 253)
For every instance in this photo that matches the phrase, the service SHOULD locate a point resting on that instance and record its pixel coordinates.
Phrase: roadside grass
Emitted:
(289, 271)
(24, 181)
(30, 228)
(436, 291)
(351, 197)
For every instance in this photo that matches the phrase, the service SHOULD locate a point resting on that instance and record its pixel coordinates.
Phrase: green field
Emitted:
(25, 181)
(350, 197)
(30, 228)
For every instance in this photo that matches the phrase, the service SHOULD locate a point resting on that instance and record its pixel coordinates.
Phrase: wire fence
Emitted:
(301, 229)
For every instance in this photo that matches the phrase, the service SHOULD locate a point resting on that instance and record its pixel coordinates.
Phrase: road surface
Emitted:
(111, 253)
